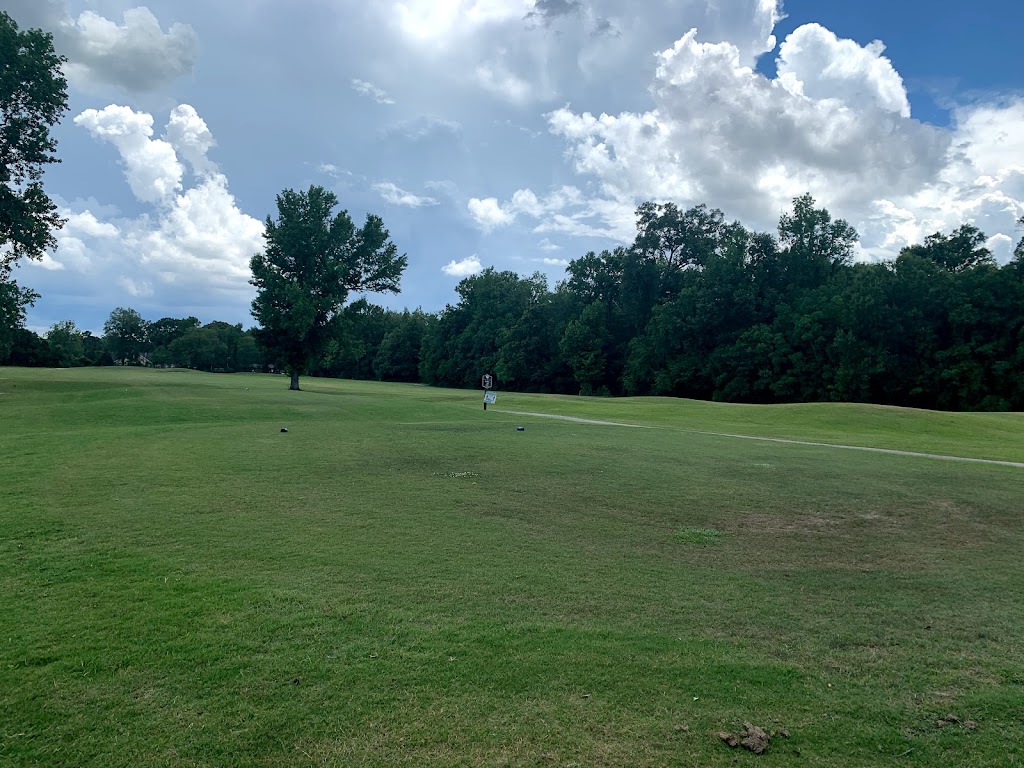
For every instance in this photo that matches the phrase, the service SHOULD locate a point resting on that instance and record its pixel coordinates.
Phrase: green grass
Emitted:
(700, 536)
(403, 579)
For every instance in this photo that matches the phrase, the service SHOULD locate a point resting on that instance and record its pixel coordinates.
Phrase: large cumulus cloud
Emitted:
(835, 122)
(135, 53)
(192, 245)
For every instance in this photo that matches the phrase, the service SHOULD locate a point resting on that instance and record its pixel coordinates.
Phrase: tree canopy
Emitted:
(127, 335)
(13, 301)
(33, 97)
(67, 344)
(313, 259)
(703, 308)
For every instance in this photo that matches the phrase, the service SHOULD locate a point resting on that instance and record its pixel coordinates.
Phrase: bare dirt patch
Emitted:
(762, 523)
(753, 738)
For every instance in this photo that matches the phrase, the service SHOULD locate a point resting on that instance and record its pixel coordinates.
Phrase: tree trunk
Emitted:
(295, 381)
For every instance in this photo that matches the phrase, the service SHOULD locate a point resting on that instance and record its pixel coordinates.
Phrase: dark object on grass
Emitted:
(520, 429)
(284, 429)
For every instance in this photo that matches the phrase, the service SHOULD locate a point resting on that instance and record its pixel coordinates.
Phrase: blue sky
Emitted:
(517, 134)
(946, 51)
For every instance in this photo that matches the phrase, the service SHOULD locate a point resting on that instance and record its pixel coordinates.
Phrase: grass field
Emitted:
(403, 579)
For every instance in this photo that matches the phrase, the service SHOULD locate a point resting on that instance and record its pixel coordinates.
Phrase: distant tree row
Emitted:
(703, 308)
(696, 307)
(128, 339)
(699, 307)
(376, 344)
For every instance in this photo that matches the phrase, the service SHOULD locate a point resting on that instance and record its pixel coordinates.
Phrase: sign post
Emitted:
(487, 381)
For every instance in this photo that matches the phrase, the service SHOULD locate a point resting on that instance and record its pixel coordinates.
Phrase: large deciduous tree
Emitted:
(398, 357)
(469, 338)
(962, 250)
(816, 246)
(677, 239)
(126, 335)
(166, 330)
(202, 349)
(313, 258)
(33, 96)
(1018, 252)
(67, 345)
(583, 347)
(13, 301)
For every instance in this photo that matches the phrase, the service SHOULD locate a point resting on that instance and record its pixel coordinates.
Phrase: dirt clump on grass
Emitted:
(754, 738)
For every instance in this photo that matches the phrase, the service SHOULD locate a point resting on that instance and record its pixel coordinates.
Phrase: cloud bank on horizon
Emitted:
(536, 126)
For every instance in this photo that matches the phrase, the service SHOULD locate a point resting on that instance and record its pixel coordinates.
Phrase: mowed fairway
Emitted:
(403, 579)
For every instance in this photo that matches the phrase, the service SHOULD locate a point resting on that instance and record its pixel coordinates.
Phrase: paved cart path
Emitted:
(893, 451)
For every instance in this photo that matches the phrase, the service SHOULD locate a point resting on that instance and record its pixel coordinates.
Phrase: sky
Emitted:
(517, 134)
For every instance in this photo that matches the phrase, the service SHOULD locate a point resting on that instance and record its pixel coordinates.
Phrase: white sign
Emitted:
(487, 381)
(490, 398)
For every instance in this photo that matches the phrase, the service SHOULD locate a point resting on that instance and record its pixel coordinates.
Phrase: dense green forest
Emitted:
(696, 307)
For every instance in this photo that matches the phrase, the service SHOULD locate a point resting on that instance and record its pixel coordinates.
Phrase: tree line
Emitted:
(128, 339)
(696, 307)
(703, 308)
(371, 343)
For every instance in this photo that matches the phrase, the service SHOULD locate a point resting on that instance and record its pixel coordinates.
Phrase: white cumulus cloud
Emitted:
(466, 267)
(188, 133)
(565, 209)
(137, 54)
(193, 244)
(397, 196)
(502, 82)
(202, 239)
(815, 63)
(151, 165)
(87, 224)
(488, 214)
(139, 290)
(367, 88)
(835, 122)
